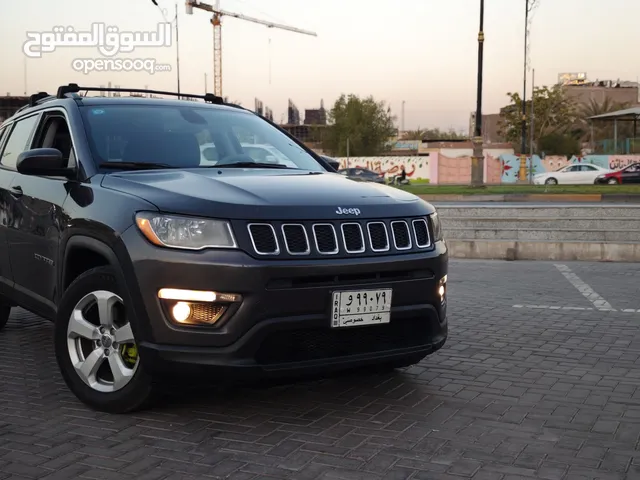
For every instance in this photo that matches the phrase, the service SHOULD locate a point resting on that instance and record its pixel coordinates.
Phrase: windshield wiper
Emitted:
(134, 165)
(252, 165)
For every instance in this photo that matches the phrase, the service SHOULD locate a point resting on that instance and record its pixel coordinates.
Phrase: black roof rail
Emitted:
(75, 88)
(37, 97)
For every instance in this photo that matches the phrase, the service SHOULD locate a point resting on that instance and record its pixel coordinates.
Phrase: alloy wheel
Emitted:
(101, 343)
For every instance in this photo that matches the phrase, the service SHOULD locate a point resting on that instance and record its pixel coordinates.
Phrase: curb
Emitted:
(557, 197)
(543, 250)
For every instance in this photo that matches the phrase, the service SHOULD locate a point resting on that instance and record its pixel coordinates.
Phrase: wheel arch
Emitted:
(114, 255)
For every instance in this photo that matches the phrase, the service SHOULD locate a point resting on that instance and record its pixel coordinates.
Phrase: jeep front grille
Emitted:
(308, 238)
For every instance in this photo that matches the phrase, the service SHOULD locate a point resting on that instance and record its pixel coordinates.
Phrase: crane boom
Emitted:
(218, 13)
(265, 23)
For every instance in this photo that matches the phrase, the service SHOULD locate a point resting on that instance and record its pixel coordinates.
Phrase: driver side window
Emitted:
(54, 133)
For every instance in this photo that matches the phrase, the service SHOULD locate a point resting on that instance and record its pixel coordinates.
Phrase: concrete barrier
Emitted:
(528, 232)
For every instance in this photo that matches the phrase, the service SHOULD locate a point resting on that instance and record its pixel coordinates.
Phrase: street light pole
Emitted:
(477, 161)
(523, 146)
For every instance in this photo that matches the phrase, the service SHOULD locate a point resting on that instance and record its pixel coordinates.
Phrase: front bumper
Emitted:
(281, 327)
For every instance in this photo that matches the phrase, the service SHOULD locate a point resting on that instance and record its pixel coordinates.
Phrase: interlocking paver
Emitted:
(517, 393)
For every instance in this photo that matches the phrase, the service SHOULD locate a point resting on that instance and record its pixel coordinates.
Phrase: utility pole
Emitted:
(177, 50)
(477, 161)
(533, 117)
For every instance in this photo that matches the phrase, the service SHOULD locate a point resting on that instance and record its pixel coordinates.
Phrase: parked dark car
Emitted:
(630, 174)
(362, 175)
(153, 263)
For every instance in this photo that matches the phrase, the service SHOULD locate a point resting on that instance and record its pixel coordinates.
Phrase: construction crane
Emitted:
(217, 34)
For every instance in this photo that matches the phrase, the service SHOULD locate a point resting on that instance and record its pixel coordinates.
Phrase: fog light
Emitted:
(442, 288)
(181, 311)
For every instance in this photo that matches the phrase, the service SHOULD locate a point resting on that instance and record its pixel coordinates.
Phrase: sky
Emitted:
(422, 52)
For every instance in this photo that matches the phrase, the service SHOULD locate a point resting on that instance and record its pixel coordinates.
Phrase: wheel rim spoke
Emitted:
(94, 345)
(80, 327)
(89, 368)
(121, 374)
(106, 302)
(124, 334)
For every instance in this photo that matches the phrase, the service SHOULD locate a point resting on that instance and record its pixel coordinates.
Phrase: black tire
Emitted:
(613, 181)
(5, 313)
(551, 181)
(139, 392)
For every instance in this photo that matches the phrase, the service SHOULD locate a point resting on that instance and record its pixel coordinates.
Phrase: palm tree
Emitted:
(418, 134)
(601, 129)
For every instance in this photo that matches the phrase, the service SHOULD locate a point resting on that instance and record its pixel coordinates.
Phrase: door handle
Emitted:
(16, 191)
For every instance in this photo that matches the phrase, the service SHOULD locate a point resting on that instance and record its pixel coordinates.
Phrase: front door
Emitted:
(33, 242)
(6, 176)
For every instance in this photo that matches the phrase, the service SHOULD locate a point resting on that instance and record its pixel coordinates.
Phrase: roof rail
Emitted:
(75, 88)
(36, 99)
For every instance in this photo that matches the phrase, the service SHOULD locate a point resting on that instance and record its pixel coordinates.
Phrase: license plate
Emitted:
(361, 307)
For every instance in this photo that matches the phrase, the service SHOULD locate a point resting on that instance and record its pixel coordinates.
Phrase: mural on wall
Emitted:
(415, 167)
(510, 164)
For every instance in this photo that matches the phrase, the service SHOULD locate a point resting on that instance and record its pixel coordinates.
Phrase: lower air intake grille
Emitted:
(321, 343)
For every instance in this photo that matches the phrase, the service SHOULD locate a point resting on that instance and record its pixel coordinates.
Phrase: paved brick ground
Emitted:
(540, 391)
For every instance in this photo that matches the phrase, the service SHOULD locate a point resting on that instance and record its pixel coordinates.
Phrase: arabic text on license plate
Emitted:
(361, 307)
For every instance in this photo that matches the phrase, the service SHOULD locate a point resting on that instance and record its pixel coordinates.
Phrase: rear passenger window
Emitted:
(17, 141)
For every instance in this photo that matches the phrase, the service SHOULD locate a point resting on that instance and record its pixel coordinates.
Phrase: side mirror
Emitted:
(46, 162)
(334, 164)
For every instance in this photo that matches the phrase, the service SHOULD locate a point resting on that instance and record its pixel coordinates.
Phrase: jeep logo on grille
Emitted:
(348, 211)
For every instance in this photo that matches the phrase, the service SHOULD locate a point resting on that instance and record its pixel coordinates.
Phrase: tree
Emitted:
(559, 144)
(601, 129)
(554, 112)
(366, 124)
(433, 134)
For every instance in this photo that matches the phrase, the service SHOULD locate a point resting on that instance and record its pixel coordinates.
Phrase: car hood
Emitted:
(265, 194)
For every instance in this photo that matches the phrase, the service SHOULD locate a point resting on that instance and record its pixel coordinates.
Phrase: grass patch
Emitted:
(425, 189)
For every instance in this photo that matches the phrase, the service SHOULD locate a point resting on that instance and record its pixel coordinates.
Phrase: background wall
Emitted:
(441, 168)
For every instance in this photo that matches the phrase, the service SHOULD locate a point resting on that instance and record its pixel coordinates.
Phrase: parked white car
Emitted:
(574, 174)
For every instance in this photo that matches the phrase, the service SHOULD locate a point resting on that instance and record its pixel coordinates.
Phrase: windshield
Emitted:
(189, 137)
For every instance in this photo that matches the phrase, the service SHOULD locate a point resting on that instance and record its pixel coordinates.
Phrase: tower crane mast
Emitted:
(216, 21)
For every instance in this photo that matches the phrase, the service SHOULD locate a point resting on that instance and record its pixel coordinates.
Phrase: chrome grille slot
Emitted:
(325, 238)
(401, 235)
(263, 238)
(421, 233)
(378, 237)
(352, 237)
(296, 240)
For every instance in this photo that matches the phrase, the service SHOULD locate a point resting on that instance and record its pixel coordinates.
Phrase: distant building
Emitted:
(10, 105)
(490, 128)
(293, 114)
(316, 116)
(585, 92)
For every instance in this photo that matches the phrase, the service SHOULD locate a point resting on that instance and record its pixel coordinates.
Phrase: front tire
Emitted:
(551, 181)
(612, 181)
(95, 346)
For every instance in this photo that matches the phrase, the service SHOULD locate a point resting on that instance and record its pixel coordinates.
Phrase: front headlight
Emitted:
(189, 233)
(436, 227)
